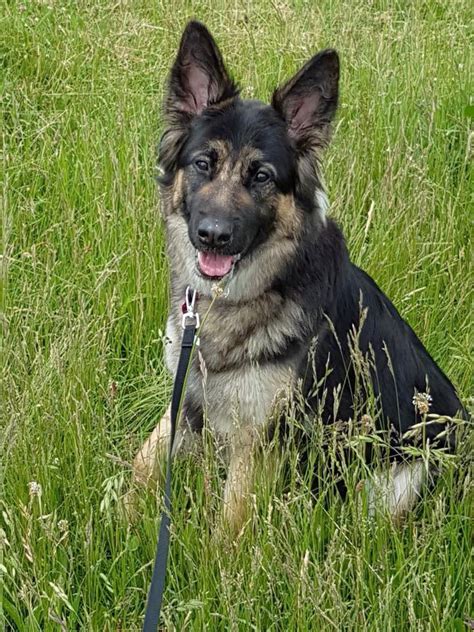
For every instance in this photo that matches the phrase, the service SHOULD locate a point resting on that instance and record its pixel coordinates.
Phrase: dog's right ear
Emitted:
(198, 77)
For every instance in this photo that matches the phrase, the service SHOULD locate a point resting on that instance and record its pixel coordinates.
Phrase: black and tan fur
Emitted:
(292, 282)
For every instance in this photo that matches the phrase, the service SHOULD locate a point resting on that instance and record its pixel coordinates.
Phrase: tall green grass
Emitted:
(85, 298)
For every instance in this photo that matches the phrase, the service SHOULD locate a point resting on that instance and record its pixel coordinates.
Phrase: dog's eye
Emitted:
(261, 176)
(202, 165)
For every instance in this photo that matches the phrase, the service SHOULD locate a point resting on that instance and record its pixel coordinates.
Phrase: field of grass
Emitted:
(85, 300)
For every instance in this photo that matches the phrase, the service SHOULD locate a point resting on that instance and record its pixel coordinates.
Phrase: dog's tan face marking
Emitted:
(227, 185)
(242, 197)
(178, 190)
(288, 216)
(222, 149)
(230, 171)
(207, 190)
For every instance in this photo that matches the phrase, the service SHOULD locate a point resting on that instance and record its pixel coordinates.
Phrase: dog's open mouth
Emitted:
(215, 266)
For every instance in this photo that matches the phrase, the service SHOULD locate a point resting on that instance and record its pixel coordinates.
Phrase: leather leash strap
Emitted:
(157, 586)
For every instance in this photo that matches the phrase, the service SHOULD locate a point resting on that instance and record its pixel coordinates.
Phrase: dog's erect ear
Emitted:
(198, 76)
(308, 101)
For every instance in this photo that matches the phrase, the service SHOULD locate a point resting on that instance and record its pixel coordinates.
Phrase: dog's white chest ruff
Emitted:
(243, 397)
(235, 398)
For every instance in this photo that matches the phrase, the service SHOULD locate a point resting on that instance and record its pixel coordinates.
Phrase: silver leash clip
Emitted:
(190, 317)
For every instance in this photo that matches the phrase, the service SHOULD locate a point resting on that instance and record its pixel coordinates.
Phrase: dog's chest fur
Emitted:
(242, 367)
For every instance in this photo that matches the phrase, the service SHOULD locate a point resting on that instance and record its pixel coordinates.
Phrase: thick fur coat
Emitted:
(246, 226)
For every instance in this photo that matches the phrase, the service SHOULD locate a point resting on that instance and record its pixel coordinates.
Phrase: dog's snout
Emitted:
(214, 233)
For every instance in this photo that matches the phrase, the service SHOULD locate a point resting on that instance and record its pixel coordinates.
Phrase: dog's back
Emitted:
(370, 351)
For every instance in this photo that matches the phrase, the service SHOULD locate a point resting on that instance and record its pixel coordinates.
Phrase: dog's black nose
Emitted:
(214, 233)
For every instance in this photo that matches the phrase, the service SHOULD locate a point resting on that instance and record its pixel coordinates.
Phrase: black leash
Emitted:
(157, 586)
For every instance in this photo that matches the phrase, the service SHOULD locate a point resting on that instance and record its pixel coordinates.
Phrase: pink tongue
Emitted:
(214, 265)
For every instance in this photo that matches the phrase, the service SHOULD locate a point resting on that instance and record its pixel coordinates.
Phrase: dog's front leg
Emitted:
(146, 464)
(147, 460)
(240, 479)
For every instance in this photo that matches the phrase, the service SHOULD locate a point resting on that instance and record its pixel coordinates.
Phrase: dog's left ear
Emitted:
(308, 101)
(198, 77)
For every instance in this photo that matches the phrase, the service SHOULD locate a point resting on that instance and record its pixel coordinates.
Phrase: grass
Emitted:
(85, 301)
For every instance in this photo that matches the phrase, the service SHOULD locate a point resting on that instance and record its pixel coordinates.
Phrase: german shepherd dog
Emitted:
(245, 211)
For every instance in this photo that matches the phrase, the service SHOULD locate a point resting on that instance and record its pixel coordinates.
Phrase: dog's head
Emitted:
(241, 176)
